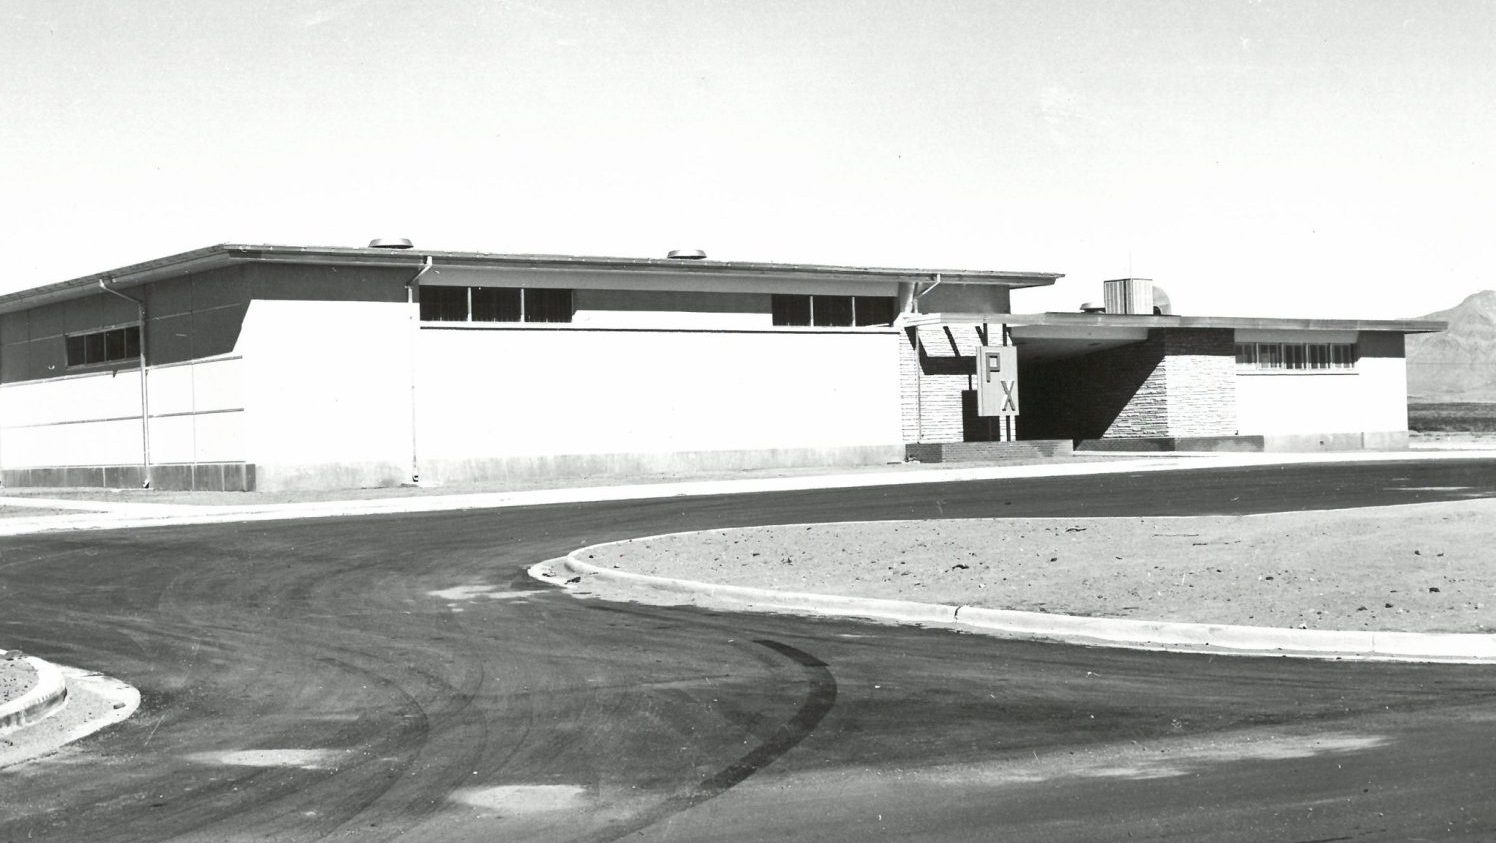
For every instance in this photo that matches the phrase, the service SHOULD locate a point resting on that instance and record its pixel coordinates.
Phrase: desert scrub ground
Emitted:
(1421, 567)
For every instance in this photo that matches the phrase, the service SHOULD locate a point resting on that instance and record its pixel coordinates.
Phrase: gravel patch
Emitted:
(1417, 568)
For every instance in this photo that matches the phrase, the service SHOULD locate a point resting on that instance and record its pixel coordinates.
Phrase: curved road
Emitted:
(400, 676)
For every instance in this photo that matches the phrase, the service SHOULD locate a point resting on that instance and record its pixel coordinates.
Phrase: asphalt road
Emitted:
(302, 681)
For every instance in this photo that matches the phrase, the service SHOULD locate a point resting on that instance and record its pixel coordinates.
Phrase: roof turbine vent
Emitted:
(390, 243)
(686, 255)
(1161, 304)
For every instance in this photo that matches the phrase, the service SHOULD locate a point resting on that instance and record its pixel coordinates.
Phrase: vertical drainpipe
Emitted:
(412, 288)
(145, 392)
(919, 376)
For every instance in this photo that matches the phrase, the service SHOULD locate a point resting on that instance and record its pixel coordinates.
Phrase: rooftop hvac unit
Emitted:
(1129, 295)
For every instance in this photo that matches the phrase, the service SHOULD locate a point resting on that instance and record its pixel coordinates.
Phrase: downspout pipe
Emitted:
(145, 392)
(922, 293)
(412, 293)
(919, 392)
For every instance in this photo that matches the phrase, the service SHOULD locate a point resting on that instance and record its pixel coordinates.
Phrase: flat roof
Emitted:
(1122, 320)
(226, 254)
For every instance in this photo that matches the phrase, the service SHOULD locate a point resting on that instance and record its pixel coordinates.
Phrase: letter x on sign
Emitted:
(1008, 402)
(994, 366)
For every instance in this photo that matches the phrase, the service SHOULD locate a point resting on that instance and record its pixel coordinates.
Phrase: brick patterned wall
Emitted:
(909, 385)
(936, 366)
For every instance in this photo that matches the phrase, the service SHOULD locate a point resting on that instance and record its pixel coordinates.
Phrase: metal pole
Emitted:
(145, 392)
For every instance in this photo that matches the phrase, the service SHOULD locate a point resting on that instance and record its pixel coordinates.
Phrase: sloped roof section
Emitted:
(225, 254)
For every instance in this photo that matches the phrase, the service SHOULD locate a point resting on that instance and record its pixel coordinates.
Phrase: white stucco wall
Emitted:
(1299, 406)
(327, 391)
(503, 395)
(327, 388)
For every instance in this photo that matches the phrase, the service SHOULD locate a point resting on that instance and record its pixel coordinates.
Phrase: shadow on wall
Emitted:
(956, 360)
(1082, 397)
(975, 428)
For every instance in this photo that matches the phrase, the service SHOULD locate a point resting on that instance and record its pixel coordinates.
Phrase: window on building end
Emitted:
(875, 310)
(444, 304)
(111, 346)
(832, 311)
(791, 310)
(548, 305)
(1295, 356)
(496, 304)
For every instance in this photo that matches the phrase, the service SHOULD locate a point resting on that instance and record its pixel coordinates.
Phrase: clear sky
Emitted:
(1299, 158)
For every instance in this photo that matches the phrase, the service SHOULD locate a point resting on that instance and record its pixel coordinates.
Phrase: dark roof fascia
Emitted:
(412, 258)
(197, 260)
(1240, 323)
(226, 254)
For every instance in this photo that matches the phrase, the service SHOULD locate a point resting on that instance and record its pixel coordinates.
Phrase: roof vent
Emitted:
(390, 243)
(1092, 307)
(1161, 305)
(686, 255)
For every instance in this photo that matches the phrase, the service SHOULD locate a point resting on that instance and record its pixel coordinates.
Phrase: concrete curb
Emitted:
(1223, 639)
(44, 698)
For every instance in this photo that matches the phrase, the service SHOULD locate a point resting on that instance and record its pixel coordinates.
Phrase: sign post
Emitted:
(997, 387)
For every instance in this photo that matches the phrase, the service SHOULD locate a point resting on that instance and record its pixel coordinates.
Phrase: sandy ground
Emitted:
(1451, 441)
(1420, 567)
(16, 678)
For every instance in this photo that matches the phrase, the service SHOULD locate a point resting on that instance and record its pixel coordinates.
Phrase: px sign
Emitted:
(997, 380)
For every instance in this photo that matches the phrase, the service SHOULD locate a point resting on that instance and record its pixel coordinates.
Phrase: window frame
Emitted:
(786, 306)
(96, 343)
(556, 312)
(1297, 358)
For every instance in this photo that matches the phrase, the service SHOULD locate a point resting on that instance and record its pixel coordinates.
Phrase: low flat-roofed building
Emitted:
(274, 367)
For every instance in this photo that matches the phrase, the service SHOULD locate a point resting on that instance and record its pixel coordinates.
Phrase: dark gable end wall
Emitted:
(33, 342)
(289, 282)
(191, 317)
(195, 316)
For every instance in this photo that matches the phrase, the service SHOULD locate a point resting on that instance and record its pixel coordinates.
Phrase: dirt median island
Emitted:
(1414, 568)
(17, 676)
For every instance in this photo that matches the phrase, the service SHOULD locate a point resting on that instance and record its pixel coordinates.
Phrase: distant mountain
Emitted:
(1460, 363)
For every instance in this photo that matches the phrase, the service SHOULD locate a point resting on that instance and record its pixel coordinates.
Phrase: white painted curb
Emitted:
(48, 694)
(1221, 639)
(1236, 640)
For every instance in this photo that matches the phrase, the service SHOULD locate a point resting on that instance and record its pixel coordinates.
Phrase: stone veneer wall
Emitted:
(1131, 387)
(1200, 375)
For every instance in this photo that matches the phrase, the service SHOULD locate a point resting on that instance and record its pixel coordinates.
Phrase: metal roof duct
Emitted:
(1129, 295)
